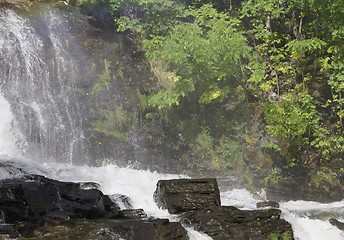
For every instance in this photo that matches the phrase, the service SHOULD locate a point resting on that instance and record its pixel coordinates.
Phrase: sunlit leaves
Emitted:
(298, 48)
(292, 117)
(206, 54)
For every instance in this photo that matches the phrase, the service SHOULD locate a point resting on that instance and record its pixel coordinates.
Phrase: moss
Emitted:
(287, 235)
(273, 236)
(114, 123)
(72, 230)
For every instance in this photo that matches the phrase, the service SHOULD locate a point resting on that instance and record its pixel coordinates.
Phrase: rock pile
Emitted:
(38, 207)
(199, 202)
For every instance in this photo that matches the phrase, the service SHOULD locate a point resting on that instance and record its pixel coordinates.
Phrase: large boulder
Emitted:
(181, 195)
(37, 207)
(35, 197)
(104, 229)
(338, 224)
(230, 223)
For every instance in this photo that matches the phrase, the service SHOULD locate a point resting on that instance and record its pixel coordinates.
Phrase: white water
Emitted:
(7, 140)
(38, 76)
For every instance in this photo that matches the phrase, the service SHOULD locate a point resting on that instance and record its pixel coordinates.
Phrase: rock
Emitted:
(8, 231)
(258, 196)
(181, 195)
(159, 229)
(266, 204)
(122, 201)
(41, 208)
(223, 222)
(131, 214)
(338, 224)
(89, 185)
(105, 229)
(36, 197)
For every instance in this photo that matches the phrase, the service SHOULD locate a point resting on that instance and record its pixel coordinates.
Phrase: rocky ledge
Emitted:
(41, 208)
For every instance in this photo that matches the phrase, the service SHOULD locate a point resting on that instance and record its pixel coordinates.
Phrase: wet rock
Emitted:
(159, 229)
(8, 230)
(89, 185)
(105, 229)
(36, 197)
(122, 201)
(132, 214)
(338, 224)
(181, 195)
(266, 204)
(223, 222)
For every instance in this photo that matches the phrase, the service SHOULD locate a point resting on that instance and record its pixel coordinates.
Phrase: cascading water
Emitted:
(40, 119)
(7, 141)
(38, 78)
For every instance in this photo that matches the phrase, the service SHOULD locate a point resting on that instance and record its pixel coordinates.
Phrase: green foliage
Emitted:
(143, 101)
(287, 235)
(336, 83)
(274, 177)
(324, 178)
(292, 117)
(149, 18)
(225, 155)
(299, 56)
(203, 58)
(104, 79)
(204, 142)
(115, 123)
(271, 145)
(273, 236)
(298, 48)
(229, 155)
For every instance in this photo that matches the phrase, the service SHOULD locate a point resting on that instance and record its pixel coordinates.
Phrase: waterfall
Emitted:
(7, 140)
(41, 118)
(38, 79)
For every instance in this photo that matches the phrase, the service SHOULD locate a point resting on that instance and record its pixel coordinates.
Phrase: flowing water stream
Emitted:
(41, 127)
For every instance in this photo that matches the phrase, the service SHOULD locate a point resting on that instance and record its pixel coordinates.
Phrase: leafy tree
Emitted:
(297, 74)
(203, 59)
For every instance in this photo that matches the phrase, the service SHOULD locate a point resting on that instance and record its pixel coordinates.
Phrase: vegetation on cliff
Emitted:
(250, 87)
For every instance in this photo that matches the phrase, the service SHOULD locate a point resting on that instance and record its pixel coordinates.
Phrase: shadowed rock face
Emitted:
(181, 195)
(36, 206)
(224, 222)
(199, 202)
(105, 229)
(35, 197)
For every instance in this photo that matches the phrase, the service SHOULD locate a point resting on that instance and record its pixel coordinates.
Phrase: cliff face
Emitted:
(74, 85)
